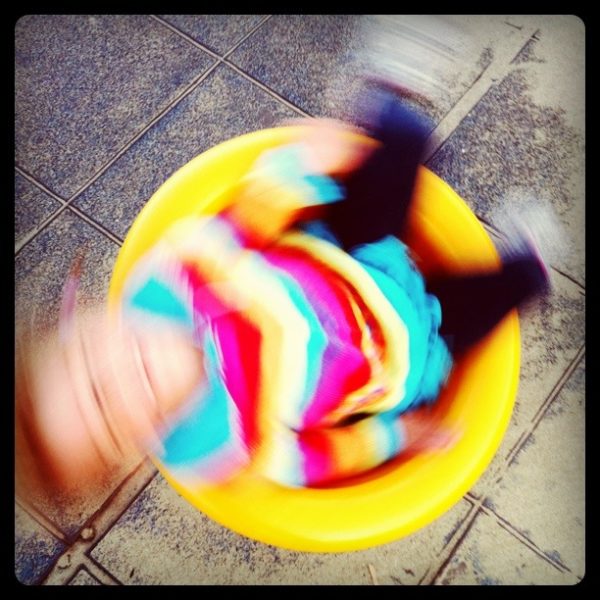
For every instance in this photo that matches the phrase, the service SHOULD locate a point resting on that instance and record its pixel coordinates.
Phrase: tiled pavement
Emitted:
(107, 107)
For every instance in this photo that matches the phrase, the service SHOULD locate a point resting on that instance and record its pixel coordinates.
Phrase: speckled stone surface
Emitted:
(313, 61)
(43, 265)
(491, 554)
(542, 493)
(552, 333)
(178, 545)
(519, 148)
(219, 33)
(85, 85)
(299, 56)
(32, 206)
(84, 577)
(35, 548)
(224, 106)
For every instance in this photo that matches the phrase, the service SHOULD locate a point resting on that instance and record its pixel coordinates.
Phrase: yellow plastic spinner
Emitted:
(411, 491)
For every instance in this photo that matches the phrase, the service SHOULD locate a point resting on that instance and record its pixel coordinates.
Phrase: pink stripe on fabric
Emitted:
(344, 366)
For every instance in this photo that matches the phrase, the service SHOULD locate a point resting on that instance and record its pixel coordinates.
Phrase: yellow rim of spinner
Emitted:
(403, 495)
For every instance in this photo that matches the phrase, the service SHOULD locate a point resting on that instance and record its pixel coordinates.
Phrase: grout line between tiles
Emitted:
(559, 385)
(491, 228)
(195, 83)
(201, 46)
(537, 417)
(119, 501)
(192, 86)
(70, 564)
(97, 572)
(266, 89)
(520, 27)
(446, 554)
(570, 278)
(19, 245)
(186, 37)
(472, 497)
(504, 463)
(41, 519)
(46, 222)
(238, 44)
(489, 510)
(224, 60)
(510, 528)
(100, 228)
(99, 524)
(499, 68)
(449, 547)
(81, 569)
(95, 569)
(21, 171)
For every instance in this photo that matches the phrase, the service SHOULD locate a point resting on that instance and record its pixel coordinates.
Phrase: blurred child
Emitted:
(292, 334)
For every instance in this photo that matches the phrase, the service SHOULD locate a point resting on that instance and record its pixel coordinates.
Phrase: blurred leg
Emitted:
(473, 305)
(378, 193)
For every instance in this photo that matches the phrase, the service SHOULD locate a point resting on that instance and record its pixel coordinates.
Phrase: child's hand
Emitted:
(285, 185)
(97, 398)
(334, 148)
(425, 431)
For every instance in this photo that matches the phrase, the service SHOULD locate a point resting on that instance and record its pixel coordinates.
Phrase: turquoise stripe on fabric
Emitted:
(208, 426)
(324, 189)
(157, 297)
(388, 263)
(286, 164)
(390, 438)
(418, 334)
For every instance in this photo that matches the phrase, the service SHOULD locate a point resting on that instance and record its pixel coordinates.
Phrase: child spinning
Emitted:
(316, 335)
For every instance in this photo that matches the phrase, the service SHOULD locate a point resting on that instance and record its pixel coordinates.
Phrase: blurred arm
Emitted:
(295, 182)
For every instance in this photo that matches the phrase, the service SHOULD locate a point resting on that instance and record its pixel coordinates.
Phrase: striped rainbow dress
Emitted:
(310, 353)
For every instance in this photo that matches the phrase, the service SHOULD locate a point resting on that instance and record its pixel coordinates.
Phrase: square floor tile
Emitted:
(542, 494)
(490, 555)
(225, 105)
(85, 85)
(162, 539)
(36, 549)
(219, 33)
